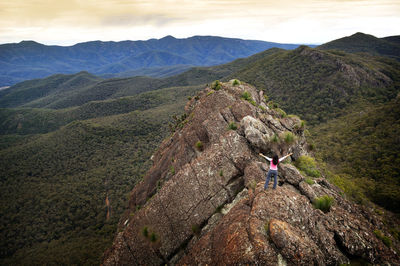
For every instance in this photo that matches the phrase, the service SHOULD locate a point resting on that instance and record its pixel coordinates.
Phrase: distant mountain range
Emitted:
(365, 43)
(155, 57)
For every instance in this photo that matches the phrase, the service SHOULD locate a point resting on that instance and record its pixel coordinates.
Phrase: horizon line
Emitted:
(166, 36)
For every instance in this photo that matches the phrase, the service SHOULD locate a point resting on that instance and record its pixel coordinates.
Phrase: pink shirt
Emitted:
(273, 166)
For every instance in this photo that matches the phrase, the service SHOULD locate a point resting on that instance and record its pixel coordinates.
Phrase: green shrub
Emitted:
(221, 173)
(307, 165)
(386, 240)
(179, 122)
(246, 96)
(323, 203)
(219, 208)
(301, 125)
(275, 138)
(266, 227)
(172, 170)
(281, 112)
(153, 237)
(309, 181)
(189, 98)
(216, 85)
(273, 105)
(210, 92)
(236, 82)
(199, 146)
(145, 231)
(288, 137)
(232, 126)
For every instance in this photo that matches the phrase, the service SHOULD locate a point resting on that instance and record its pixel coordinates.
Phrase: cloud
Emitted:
(283, 21)
(124, 20)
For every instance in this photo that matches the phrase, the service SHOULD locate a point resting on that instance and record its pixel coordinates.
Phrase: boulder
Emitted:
(256, 132)
(289, 173)
(297, 248)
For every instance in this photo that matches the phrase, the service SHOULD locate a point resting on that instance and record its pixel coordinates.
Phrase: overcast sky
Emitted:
(66, 22)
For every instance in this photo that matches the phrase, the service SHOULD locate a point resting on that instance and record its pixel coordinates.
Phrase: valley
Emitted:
(73, 146)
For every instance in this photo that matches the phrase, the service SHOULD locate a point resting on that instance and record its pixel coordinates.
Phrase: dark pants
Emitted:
(273, 173)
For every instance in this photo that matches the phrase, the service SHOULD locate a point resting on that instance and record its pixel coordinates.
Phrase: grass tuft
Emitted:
(145, 231)
(323, 203)
(216, 85)
(172, 170)
(281, 113)
(289, 137)
(386, 240)
(309, 181)
(236, 82)
(275, 138)
(153, 237)
(232, 126)
(200, 145)
(246, 96)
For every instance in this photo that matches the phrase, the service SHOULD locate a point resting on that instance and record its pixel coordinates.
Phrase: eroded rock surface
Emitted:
(205, 204)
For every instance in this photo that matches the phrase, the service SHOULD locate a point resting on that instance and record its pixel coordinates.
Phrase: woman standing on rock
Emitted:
(273, 168)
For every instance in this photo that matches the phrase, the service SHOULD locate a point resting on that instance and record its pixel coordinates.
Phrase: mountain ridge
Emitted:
(316, 84)
(125, 86)
(29, 59)
(365, 43)
(205, 203)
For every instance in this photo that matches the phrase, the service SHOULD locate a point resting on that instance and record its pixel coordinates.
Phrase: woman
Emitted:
(273, 168)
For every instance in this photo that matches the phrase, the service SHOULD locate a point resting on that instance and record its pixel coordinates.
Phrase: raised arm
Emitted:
(284, 157)
(269, 159)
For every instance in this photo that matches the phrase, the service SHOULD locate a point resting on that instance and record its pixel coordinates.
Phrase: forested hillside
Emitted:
(363, 147)
(365, 43)
(73, 146)
(317, 84)
(56, 185)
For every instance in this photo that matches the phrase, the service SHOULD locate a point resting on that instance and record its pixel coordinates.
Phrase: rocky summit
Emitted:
(203, 201)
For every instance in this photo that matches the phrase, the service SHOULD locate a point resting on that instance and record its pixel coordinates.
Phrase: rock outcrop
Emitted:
(203, 201)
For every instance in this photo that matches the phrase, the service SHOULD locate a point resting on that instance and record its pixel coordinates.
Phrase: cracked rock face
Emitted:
(212, 208)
